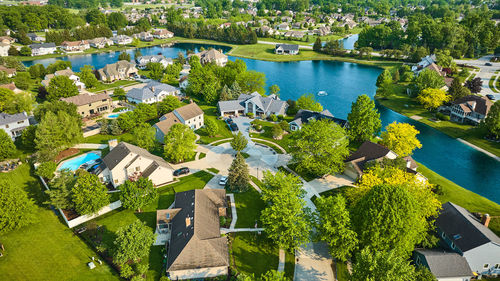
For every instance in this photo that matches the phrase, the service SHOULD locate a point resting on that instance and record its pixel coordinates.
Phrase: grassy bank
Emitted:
(402, 103)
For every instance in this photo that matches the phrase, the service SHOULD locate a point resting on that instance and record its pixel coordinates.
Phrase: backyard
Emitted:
(223, 133)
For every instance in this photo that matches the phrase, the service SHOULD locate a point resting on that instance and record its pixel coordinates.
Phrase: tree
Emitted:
(277, 131)
(274, 89)
(273, 275)
(432, 98)
(364, 119)
(168, 104)
(13, 51)
(317, 45)
(143, 135)
(135, 195)
(252, 81)
(457, 91)
(119, 93)
(37, 71)
(239, 142)
(401, 138)
(60, 193)
(211, 127)
(429, 79)
(7, 147)
(23, 80)
(89, 194)
(133, 242)
(46, 170)
(116, 21)
(286, 218)
(319, 148)
(61, 87)
(87, 76)
(25, 51)
(492, 120)
(308, 102)
(58, 65)
(239, 176)
(225, 94)
(16, 209)
(333, 223)
(124, 56)
(28, 137)
(474, 85)
(155, 70)
(380, 266)
(384, 77)
(179, 143)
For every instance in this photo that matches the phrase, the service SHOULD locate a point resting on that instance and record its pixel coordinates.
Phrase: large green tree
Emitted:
(16, 209)
(135, 195)
(308, 102)
(319, 148)
(87, 76)
(46, 170)
(239, 142)
(7, 147)
(211, 127)
(143, 135)
(286, 218)
(60, 193)
(364, 119)
(492, 120)
(179, 143)
(381, 266)
(61, 87)
(133, 242)
(168, 104)
(155, 70)
(428, 79)
(239, 176)
(89, 194)
(401, 138)
(457, 91)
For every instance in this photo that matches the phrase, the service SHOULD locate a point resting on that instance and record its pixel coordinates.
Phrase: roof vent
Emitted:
(457, 236)
(188, 221)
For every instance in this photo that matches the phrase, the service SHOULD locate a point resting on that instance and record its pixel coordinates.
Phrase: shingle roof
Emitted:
(303, 116)
(152, 89)
(117, 154)
(11, 118)
(189, 111)
(230, 105)
(446, 264)
(42, 45)
(483, 104)
(83, 99)
(287, 47)
(199, 244)
(455, 220)
(170, 120)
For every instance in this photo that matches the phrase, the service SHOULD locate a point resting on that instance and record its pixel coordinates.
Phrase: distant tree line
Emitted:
(81, 33)
(233, 34)
(86, 4)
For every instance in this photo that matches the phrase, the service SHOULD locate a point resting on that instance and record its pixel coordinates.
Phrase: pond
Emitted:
(343, 82)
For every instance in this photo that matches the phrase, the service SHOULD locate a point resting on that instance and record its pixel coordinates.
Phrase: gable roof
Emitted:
(446, 264)
(11, 118)
(189, 111)
(303, 116)
(210, 55)
(113, 69)
(199, 243)
(287, 47)
(150, 90)
(169, 120)
(83, 99)
(369, 151)
(9, 71)
(455, 220)
(117, 154)
(42, 45)
(482, 104)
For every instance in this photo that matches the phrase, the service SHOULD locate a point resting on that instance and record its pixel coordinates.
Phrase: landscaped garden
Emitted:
(266, 134)
(223, 130)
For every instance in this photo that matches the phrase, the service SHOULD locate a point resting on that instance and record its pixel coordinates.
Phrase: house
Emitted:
(470, 109)
(7, 40)
(322, 31)
(286, 49)
(88, 105)
(444, 265)
(283, 26)
(65, 72)
(152, 92)
(162, 34)
(129, 162)
(117, 71)
(425, 62)
(303, 116)
(144, 36)
(267, 30)
(121, 39)
(255, 104)
(11, 86)
(75, 46)
(9, 71)
(41, 49)
(369, 152)
(35, 38)
(295, 34)
(190, 115)
(4, 49)
(144, 60)
(100, 42)
(14, 124)
(183, 82)
(462, 232)
(196, 249)
(212, 55)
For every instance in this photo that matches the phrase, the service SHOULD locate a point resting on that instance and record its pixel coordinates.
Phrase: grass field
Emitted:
(253, 253)
(120, 83)
(48, 249)
(249, 205)
(267, 134)
(224, 132)
(103, 139)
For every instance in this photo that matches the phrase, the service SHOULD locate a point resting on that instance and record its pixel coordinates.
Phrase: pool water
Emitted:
(75, 163)
(113, 116)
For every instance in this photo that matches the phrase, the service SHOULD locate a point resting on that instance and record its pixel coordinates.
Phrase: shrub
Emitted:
(442, 117)
(273, 117)
(250, 114)
(46, 170)
(281, 117)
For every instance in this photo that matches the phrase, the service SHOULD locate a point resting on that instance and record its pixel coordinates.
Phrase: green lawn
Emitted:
(463, 197)
(48, 249)
(105, 86)
(112, 221)
(103, 139)
(267, 134)
(249, 205)
(253, 253)
(213, 170)
(224, 132)
(491, 84)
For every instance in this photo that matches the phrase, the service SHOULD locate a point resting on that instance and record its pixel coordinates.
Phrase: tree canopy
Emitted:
(239, 142)
(133, 242)
(239, 177)
(492, 120)
(16, 209)
(179, 143)
(7, 147)
(432, 98)
(61, 87)
(135, 195)
(401, 138)
(364, 119)
(89, 194)
(308, 102)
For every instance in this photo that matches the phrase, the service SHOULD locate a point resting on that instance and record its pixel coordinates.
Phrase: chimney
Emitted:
(112, 144)
(485, 220)
(188, 221)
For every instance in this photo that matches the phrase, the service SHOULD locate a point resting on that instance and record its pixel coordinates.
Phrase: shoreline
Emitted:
(479, 149)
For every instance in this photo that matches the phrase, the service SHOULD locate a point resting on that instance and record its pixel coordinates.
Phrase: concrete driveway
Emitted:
(330, 182)
(313, 262)
(485, 72)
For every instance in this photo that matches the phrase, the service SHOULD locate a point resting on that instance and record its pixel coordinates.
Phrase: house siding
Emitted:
(489, 254)
(198, 273)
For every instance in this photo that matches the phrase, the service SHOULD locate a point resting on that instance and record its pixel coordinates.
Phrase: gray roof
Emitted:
(463, 228)
(156, 58)
(287, 47)
(303, 116)
(42, 45)
(11, 118)
(266, 104)
(230, 105)
(446, 264)
(198, 244)
(152, 89)
(117, 154)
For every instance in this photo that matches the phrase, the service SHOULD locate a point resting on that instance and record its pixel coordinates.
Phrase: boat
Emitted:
(322, 93)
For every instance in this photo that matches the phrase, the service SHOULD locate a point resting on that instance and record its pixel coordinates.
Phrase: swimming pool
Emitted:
(113, 116)
(75, 163)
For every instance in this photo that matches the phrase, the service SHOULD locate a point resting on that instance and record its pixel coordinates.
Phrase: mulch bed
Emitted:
(66, 153)
(70, 214)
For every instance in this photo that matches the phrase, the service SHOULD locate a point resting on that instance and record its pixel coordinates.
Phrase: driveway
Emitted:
(313, 262)
(330, 182)
(485, 72)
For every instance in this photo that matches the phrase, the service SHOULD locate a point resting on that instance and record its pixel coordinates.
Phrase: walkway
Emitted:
(313, 262)
(307, 47)
(479, 149)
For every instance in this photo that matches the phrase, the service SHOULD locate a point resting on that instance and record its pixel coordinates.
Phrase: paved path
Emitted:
(233, 211)
(330, 182)
(229, 230)
(479, 149)
(281, 263)
(313, 263)
(90, 146)
(307, 47)
(272, 143)
(485, 72)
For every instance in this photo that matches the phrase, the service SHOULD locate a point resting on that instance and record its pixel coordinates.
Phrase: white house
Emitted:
(35, 38)
(286, 49)
(470, 109)
(151, 93)
(162, 34)
(212, 55)
(144, 60)
(14, 124)
(190, 115)
(444, 265)
(75, 46)
(4, 49)
(255, 104)
(42, 49)
(65, 72)
(100, 42)
(129, 162)
(121, 39)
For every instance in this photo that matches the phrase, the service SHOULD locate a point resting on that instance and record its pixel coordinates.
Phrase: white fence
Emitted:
(81, 219)
(91, 133)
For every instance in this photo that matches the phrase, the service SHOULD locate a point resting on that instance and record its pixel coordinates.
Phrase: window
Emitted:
(443, 235)
(497, 266)
(116, 181)
(20, 122)
(486, 265)
(453, 245)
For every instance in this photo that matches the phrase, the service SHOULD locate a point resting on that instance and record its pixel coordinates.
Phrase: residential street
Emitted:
(485, 72)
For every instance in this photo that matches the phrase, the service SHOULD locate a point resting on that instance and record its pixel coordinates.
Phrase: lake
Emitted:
(343, 82)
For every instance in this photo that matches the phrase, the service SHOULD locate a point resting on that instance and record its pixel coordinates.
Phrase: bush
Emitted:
(284, 125)
(442, 117)
(46, 170)
(250, 114)
(281, 117)
(273, 117)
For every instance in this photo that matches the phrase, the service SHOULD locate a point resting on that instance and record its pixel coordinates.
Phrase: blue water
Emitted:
(113, 116)
(349, 41)
(343, 82)
(75, 163)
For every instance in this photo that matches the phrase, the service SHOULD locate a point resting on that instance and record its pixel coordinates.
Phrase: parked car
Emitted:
(181, 171)
(488, 64)
(223, 181)
(490, 96)
(234, 127)
(229, 121)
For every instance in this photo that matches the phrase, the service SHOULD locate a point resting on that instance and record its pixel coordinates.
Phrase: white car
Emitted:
(223, 180)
